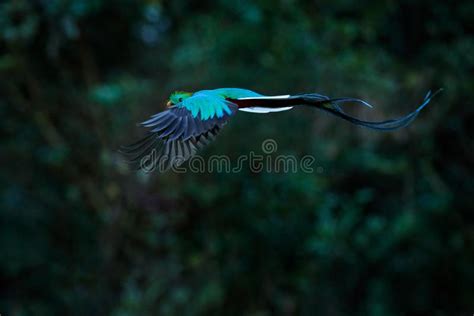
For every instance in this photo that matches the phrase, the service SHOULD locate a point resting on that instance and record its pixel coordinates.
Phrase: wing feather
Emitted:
(177, 133)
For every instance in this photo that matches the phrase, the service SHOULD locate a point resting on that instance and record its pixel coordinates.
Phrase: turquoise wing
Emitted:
(205, 105)
(208, 104)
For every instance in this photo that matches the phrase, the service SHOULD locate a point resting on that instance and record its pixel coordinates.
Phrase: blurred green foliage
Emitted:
(385, 228)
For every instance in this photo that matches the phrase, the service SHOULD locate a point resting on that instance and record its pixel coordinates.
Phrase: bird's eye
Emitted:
(180, 99)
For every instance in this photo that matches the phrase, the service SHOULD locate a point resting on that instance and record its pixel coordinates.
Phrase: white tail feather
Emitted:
(258, 109)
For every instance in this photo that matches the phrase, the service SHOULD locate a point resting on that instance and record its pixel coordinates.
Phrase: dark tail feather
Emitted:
(384, 125)
(319, 99)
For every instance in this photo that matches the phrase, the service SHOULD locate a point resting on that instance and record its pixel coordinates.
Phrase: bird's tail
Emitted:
(333, 106)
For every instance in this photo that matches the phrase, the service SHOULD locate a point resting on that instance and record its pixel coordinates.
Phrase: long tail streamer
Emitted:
(388, 125)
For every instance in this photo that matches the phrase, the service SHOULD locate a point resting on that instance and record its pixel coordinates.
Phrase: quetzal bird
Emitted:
(192, 120)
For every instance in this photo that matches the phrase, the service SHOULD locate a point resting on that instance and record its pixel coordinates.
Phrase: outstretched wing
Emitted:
(176, 134)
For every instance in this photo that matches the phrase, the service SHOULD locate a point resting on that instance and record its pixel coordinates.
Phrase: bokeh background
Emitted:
(385, 227)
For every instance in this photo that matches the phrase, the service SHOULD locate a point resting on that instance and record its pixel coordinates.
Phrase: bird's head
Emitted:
(177, 97)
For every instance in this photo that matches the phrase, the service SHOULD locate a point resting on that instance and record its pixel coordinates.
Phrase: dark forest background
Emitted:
(384, 227)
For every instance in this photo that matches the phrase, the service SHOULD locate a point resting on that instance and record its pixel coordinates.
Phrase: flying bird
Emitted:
(193, 120)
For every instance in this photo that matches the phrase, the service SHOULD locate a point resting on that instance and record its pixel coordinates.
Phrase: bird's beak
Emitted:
(168, 104)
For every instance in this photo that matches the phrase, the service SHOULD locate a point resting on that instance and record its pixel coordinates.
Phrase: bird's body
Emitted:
(210, 103)
(194, 119)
